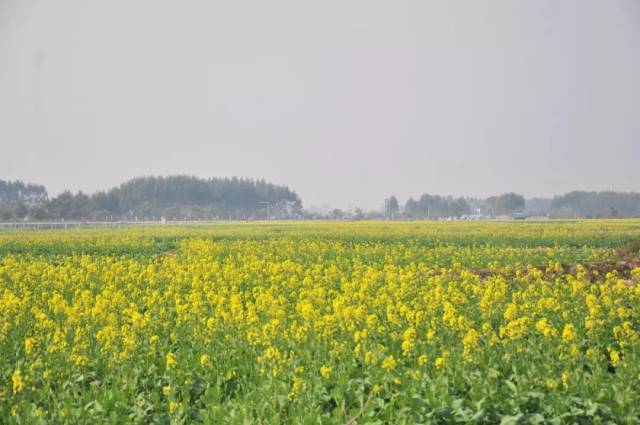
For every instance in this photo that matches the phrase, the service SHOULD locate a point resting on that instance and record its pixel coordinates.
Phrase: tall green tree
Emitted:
(392, 207)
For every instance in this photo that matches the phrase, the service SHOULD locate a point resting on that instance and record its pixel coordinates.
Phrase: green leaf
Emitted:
(511, 420)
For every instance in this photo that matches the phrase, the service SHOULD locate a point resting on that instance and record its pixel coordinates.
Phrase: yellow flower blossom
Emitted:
(389, 363)
(296, 387)
(171, 360)
(422, 360)
(568, 333)
(18, 382)
(615, 357)
(368, 358)
(205, 360)
(325, 372)
(30, 345)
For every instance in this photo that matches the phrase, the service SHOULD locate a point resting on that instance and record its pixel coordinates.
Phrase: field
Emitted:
(411, 322)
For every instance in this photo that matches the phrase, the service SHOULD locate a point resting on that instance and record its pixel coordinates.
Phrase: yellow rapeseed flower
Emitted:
(18, 383)
(568, 333)
(205, 360)
(368, 357)
(30, 345)
(171, 360)
(296, 386)
(325, 372)
(615, 357)
(389, 363)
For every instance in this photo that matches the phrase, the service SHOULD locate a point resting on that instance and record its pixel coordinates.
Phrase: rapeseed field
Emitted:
(323, 323)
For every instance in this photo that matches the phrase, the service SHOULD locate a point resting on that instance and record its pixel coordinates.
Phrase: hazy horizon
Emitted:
(344, 102)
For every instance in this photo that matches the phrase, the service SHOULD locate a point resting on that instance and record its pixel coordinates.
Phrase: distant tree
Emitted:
(513, 202)
(39, 213)
(411, 208)
(20, 211)
(436, 206)
(538, 206)
(107, 202)
(180, 196)
(506, 203)
(336, 214)
(18, 198)
(596, 204)
(70, 206)
(61, 205)
(459, 207)
(392, 207)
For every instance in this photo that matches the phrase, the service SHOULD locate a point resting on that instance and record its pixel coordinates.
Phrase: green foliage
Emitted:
(597, 204)
(505, 204)
(179, 197)
(435, 206)
(16, 198)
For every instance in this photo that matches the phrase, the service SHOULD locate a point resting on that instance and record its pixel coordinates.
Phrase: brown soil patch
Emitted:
(627, 259)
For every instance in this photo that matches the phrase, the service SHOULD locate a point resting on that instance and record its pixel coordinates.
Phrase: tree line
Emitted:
(576, 204)
(438, 206)
(153, 198)
(596, 204)
(186, 197)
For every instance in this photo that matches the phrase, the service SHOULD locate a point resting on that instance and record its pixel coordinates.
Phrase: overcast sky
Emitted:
(344, 101)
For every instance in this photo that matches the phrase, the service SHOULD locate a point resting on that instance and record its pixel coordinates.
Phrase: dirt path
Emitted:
(627, 259)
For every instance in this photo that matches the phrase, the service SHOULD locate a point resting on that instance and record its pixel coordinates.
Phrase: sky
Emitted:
(344, 101)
